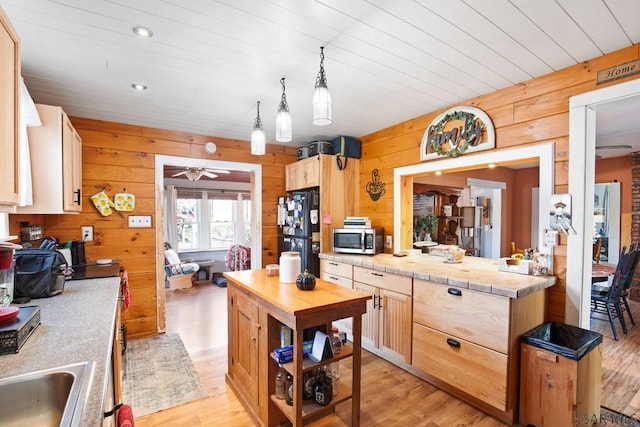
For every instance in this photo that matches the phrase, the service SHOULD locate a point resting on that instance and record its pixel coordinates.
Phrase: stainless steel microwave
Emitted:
(365, 241)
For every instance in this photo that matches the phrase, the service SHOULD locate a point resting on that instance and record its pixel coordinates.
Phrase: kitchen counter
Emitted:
(479, 274)
(76, 326)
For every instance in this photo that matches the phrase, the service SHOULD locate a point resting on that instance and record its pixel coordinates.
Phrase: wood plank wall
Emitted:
(118, 156)
(527, 113)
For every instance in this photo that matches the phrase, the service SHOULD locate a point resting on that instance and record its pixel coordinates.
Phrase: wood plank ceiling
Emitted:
(387, 61)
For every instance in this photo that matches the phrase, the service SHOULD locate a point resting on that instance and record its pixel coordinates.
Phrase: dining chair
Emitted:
(609, 300)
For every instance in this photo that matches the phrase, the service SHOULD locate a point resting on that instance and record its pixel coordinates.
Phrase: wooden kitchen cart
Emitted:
(258, 307)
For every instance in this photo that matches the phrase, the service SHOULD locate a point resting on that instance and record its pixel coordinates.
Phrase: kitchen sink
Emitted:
(51, 397)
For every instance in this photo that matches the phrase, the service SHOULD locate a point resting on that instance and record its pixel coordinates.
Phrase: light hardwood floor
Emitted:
(390, 396)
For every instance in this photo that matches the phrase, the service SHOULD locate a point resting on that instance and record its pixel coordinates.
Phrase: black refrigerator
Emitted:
(299, 227)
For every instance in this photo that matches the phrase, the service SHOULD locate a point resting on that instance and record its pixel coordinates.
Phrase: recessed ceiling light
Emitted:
(438, 172)
(491, 165)
(139, 86)
(142, 32)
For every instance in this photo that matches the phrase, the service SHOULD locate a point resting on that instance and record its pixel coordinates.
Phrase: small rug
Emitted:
(159, 374)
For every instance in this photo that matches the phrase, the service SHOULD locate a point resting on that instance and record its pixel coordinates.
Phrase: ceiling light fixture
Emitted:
(492, 165)
(322, 111)
(283, 119)
(193, 174)
(142, 32)
(139, 86)
(257, 136)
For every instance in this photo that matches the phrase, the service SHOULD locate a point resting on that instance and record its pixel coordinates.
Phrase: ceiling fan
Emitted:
(194, 173)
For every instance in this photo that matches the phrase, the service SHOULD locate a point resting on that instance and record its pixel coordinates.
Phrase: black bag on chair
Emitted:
(39, 273)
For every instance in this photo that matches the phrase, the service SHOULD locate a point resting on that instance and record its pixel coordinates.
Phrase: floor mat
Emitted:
(159, 374)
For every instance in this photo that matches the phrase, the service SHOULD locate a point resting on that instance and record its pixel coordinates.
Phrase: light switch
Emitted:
(139, 221)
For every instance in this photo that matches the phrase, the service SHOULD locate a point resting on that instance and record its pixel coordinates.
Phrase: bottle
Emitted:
(281, 383)
(323, 391)
(289, 385)
(309, 380)
(333, 369)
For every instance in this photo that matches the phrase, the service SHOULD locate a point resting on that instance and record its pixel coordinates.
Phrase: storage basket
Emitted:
(320, 147)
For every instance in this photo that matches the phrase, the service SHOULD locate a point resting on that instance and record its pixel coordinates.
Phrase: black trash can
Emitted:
(560, 376)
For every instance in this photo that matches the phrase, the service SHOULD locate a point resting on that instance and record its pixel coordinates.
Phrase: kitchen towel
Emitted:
(126, 293)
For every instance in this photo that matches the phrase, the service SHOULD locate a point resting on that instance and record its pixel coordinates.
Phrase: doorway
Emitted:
(582, 143)
(256, 216)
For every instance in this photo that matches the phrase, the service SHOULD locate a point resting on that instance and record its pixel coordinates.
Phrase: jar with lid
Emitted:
(281, 383)
(290, 266)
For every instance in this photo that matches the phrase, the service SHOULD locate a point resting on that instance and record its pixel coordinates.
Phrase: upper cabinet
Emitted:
(338, 190)
(9, 115)
(56, 164)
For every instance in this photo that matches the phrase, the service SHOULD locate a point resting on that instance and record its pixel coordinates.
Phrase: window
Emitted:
(212, 219)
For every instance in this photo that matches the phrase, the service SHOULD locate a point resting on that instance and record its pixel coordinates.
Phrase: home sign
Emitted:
(457, 131)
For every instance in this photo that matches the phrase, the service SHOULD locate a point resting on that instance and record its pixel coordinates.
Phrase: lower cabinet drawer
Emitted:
(478, 371)
(336, 268)
(471, 315)
(338, 280)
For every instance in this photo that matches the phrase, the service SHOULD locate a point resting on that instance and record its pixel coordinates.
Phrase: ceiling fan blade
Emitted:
(179, 173)
(209, 174)
(217, 171)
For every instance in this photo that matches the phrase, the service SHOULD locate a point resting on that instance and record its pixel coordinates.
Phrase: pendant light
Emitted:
(257, 136)
(322, 114)
(283, 119)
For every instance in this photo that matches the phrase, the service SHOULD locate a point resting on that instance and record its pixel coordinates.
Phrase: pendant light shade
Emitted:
(322, 111)
(257, 136)
(283, 119)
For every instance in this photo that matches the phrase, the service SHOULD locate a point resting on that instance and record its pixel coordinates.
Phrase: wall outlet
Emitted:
(389, 241)
(139, 221)
(551, 238)
(87, 233)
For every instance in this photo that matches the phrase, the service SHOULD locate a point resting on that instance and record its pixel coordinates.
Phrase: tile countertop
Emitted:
(76, 326)
(479, 274)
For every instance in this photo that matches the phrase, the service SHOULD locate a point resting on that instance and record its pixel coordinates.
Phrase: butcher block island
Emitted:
(458, 326)
(258, 308)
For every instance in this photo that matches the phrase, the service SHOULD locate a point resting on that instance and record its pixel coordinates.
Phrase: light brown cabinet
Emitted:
(342, 275)
(9, 115)
(56, 152)
(386, 326)
(244, 345)
(338, 190)
(304, 173)
(467, 342)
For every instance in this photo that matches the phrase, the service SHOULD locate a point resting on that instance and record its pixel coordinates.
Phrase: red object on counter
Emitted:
(8, 313)
(125, 416)
(6, 258)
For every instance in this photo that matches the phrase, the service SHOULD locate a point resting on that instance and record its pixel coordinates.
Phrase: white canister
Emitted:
(290, 265)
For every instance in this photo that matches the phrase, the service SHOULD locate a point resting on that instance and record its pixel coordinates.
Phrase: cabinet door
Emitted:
(9, 114)
(244, 345)
(370, 320)
(71, 166)
(395, 325)
(303, 174)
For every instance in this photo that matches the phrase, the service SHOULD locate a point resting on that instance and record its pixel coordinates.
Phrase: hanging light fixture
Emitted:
(283, 119)
(322, 114)
(257, 136)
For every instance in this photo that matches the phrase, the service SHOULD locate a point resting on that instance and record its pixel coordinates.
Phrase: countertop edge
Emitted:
(417, 267)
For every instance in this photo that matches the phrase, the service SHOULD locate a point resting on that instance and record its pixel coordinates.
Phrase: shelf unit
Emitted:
(310, 409)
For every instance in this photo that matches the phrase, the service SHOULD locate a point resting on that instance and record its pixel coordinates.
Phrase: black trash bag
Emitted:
(566, 340)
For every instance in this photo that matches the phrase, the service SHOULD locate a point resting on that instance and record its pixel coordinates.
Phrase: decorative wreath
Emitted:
(469, 119)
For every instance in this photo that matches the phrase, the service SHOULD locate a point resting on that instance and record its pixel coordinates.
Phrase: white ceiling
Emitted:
(386, 61)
